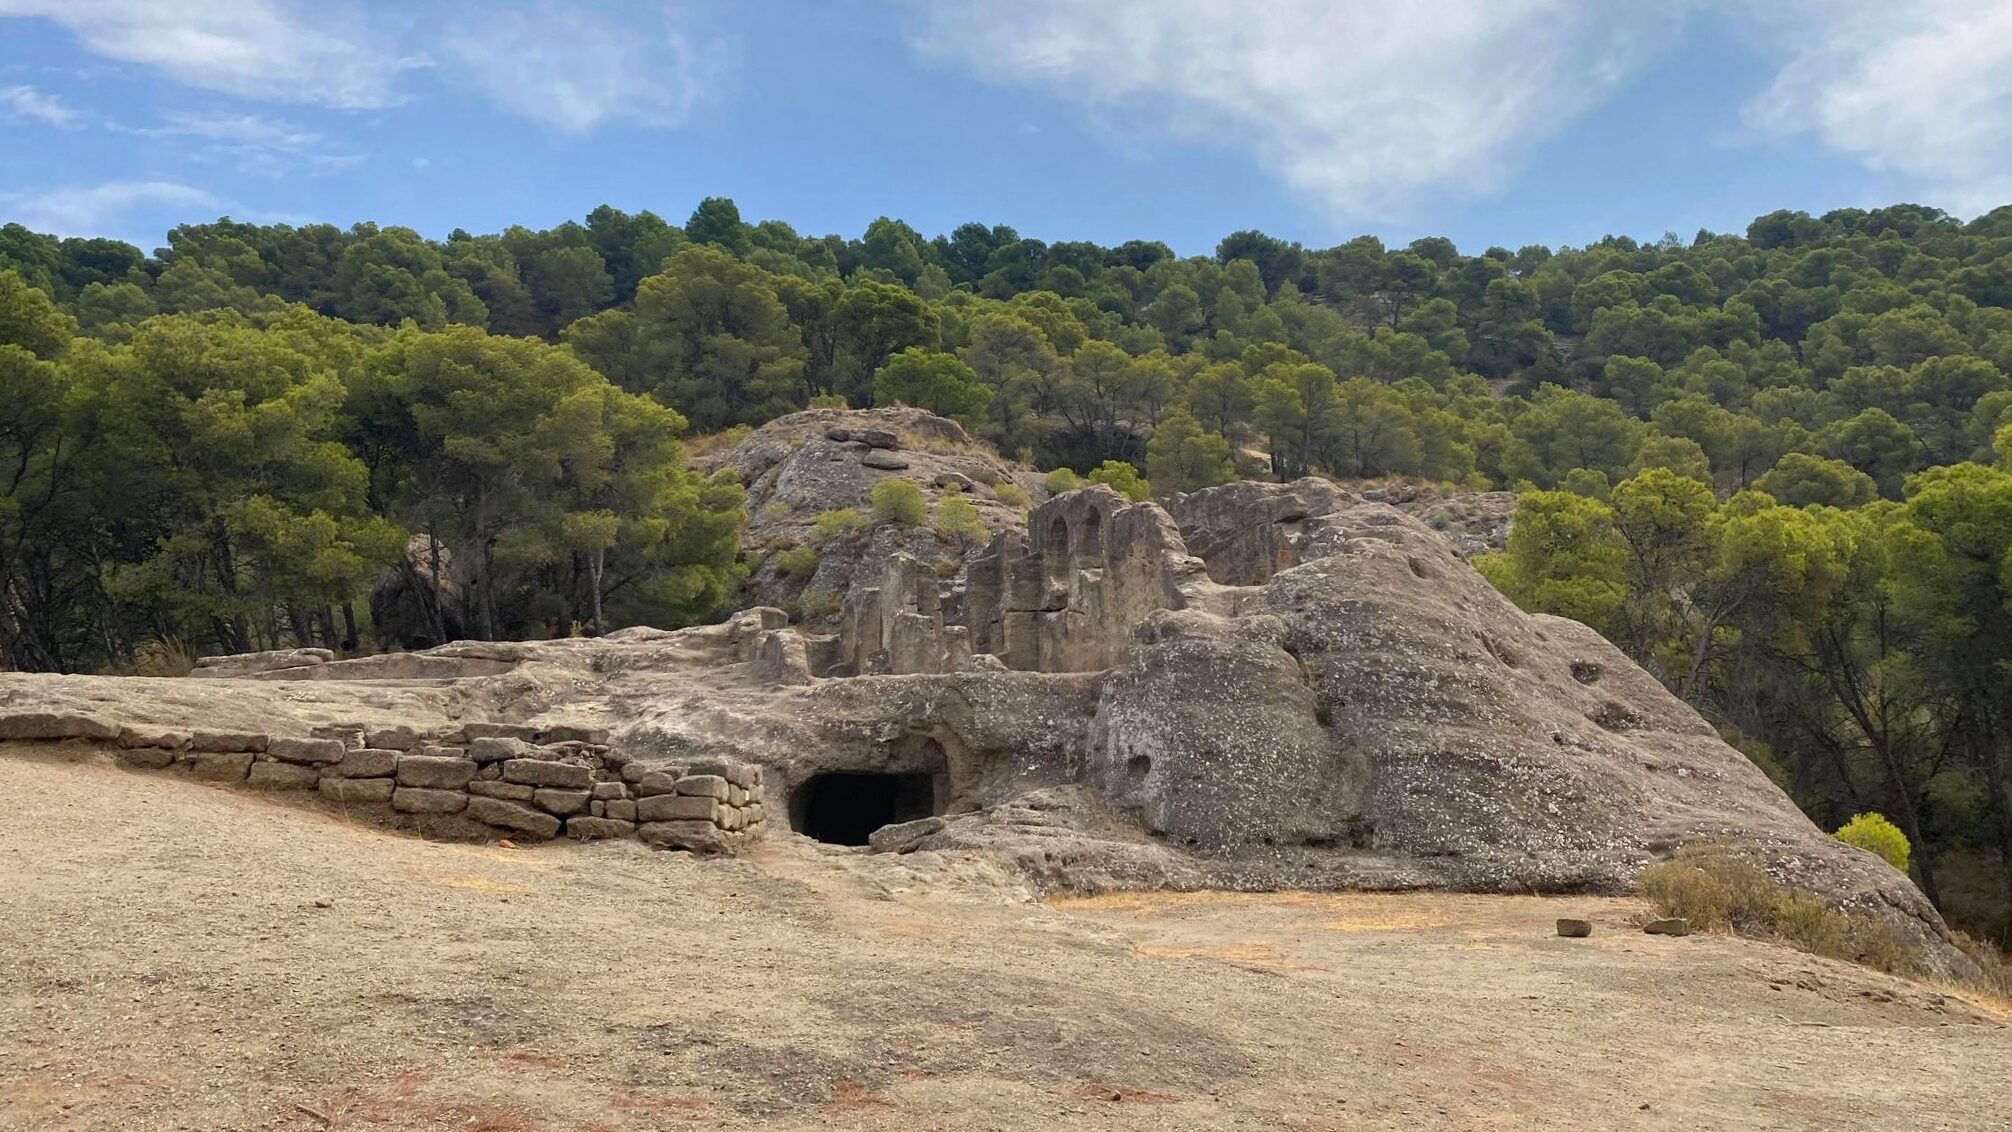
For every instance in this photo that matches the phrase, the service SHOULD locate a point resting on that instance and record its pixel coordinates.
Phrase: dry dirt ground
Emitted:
(174, 956)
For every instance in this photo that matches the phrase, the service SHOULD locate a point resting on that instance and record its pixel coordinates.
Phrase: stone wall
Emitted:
(468, 780)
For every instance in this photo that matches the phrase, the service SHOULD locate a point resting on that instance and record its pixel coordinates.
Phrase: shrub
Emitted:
(816, 602)
(958, 520)
(1011, 495)
(829, 401)
(1714, 888)
(1061, 480)
(777, 511)
(898, 502)
(839, 521)
(1874, 834)
(1124, 479)
(1717, 889)
(798, 562)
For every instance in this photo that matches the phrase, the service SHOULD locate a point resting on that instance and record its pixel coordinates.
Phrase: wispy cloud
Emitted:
(574, 69)
(253, 143)
(25, 103)
(103, 209)
(1362, 105)
(1921, 89)
(275, 50)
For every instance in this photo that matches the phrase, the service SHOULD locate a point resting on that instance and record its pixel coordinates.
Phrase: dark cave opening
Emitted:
(843, 809)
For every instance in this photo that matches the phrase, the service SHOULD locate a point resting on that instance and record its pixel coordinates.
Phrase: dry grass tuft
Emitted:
(1718, 889)
(162, 656)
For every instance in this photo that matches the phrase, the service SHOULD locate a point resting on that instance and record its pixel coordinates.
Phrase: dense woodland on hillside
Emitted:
(1772, 466)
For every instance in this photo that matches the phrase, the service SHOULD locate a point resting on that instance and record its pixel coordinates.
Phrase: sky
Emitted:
(1492, 122)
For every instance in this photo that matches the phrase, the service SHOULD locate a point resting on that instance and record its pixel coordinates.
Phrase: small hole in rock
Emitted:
(1137, 768)
(1585, 672)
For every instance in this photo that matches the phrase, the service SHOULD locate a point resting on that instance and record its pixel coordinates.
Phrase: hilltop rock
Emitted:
(800, 466)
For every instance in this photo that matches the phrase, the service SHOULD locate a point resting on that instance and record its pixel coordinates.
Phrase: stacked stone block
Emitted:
(709, 806)
(521, 781)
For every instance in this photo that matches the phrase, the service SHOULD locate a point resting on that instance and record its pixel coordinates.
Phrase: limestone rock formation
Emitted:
(1260, 686)
(806, 464)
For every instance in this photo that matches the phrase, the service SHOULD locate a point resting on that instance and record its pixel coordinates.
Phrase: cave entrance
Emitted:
(843, 809)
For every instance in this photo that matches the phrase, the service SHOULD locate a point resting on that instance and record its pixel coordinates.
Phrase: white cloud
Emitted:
(1362, 105)
(27, 103)
(279, 50)
(573, 69)
(1920, 89)
(568, 66)
(100, 209)
(252, 142)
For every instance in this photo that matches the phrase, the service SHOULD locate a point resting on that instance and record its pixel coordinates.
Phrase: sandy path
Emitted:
(164, 965)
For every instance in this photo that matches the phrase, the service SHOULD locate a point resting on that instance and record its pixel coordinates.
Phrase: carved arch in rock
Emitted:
(1055, 552)
(1088, 544)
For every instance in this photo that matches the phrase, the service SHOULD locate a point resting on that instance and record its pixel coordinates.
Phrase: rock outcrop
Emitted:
(807, 464)
(1260, 686)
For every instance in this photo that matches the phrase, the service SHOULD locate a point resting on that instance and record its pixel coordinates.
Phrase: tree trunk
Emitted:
(595, 565)
(430, 593)
(303, 631)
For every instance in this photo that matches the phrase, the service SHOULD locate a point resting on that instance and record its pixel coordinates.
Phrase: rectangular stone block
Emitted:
(435, 773)
(147, 758)
(676, 807)
(55, 725)
(227, 741)
(220, 766)
(538, 772)
(307, 750)
(357, 791)
(703, 786)
(400, 738)
(606, 791)
(512, 816)
(281, 776)
(419, 800)
(521, 731)
(656, 782)
(496, 748)
(736, 795)
(567, 733)
(697, 836)
(598, 829)
(727, 818)
(130, 737)
(507, 790)
(623, 810)
(364, 762)
(452, 735)
(597, 808)
(560, 802)
(350, 735)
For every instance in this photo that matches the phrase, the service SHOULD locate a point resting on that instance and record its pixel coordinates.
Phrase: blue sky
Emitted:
(1503, 122)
